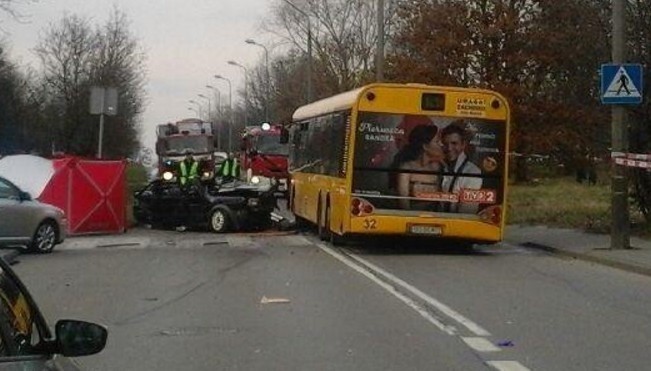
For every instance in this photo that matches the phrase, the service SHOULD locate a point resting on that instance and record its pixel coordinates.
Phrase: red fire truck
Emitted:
(174, 140)
(264, 155)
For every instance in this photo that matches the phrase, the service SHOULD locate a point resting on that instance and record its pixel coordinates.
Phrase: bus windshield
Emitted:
(197, 144)
(431, 163)
(270, 145)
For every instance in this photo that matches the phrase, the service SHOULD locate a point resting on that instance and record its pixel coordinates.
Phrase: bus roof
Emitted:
(347, 99)
(335, 103)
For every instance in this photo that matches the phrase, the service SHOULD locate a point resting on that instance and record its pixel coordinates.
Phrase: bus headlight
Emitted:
(168, 175)
(255, 179)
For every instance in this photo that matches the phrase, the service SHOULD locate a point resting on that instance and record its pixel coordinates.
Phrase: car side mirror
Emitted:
(78, 338)
(284, 136)
(24, 196)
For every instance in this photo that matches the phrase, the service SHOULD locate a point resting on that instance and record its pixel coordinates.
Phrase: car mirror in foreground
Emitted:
(24, 196)
(78, 338)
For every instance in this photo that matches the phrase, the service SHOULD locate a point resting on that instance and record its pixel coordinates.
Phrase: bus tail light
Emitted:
(359, 207)
(492, 215)
(355, 206)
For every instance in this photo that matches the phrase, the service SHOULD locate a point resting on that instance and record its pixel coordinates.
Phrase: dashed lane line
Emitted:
(450, 330)
(397, 286)
(507, 365)
(480, 344)
(443, 308)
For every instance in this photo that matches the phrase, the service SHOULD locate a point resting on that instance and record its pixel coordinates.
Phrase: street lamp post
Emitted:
(217, 116)
(209, 105)
(309, 50)
(268, 82)
(230, 111)
(198, 105)
(218, 105)
(246, 90)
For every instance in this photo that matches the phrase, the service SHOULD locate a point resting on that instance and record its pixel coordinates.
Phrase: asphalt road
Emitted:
(196, 301)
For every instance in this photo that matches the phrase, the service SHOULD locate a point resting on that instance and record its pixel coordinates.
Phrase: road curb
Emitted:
(646, 271)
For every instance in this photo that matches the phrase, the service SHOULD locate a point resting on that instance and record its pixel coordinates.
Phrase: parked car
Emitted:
(27, 222)
(26, 342)
(222, 208)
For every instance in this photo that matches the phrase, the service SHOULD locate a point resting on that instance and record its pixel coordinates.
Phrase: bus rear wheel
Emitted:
(332, 237)
(322, 224)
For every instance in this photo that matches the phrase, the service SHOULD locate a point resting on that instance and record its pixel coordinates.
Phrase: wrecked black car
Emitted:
(227, 207)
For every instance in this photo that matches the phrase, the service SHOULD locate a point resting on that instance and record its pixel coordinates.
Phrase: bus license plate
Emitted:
(425, 229)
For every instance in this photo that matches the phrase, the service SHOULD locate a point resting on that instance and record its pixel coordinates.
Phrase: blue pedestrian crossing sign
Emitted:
(621, 83)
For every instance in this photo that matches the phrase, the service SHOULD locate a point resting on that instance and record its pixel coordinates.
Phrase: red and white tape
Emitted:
(641, 160)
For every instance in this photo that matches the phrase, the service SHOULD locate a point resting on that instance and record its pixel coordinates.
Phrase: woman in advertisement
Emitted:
(422, 157)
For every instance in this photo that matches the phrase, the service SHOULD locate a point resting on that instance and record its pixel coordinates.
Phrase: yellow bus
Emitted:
(403, 160)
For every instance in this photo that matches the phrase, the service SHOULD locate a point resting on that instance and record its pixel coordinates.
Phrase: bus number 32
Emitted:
(370, 223)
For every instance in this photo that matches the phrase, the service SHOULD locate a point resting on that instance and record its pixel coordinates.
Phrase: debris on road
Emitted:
(266, 300)
(505, 343)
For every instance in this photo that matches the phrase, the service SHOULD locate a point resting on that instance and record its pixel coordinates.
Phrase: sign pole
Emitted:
(103, 101)
(101, 125)
(620, 234)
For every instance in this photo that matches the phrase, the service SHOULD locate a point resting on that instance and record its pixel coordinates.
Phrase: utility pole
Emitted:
(379, 54)
(620, 234)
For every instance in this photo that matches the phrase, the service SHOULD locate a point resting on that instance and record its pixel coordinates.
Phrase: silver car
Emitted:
(27, 222)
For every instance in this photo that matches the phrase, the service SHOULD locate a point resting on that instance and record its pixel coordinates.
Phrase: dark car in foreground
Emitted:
(26, 342)
(222, 208)
(27, 222)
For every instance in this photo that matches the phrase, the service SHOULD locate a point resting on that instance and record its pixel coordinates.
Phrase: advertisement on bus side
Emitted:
(429, 163)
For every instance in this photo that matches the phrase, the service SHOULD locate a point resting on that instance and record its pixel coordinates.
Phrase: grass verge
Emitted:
(564, 203)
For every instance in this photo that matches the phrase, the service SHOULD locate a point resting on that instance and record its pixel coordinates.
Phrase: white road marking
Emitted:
(389, 282)
(450, 330)
(470, 325)
(480, 344)
(507, 365)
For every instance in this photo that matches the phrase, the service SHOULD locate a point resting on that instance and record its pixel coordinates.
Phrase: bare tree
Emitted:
(76, 56)
(10, 105)
(639, 34)
(67, 52)
(120, 63)
(344, 34)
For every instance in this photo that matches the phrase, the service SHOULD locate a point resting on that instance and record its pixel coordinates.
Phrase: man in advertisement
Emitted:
(458, 168)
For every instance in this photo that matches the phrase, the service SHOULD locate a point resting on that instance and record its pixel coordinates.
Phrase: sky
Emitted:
(186, 42)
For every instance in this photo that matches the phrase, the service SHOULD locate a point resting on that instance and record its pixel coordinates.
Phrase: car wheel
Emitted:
(44, 239)
(219, 221)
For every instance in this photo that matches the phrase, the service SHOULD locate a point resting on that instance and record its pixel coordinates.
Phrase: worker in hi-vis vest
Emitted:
(188, 170)
(230, 169)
